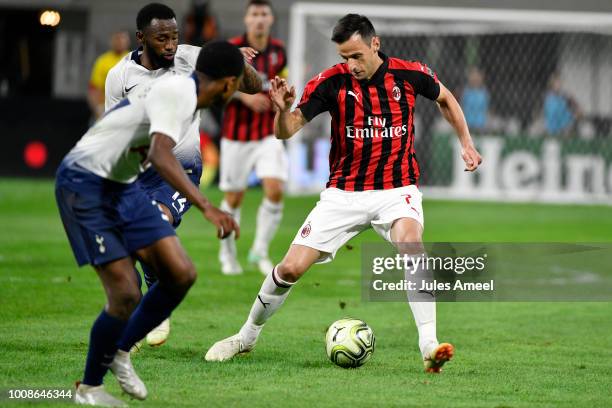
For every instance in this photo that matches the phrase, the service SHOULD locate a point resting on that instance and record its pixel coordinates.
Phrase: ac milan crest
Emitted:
(397, 94)
(306, 230)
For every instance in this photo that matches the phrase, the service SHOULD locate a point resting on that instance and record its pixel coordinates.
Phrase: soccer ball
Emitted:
(349, 342)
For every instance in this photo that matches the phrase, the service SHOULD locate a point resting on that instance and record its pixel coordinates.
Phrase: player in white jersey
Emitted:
(161, 56)
(111, 221)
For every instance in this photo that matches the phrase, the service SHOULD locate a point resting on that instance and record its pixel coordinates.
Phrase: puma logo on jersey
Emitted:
(354, 95)
(320, 77)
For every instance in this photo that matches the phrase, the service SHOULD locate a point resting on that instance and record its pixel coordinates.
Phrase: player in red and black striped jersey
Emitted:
(250, 118)
(373, 173)
(372, 121)
(248, 143)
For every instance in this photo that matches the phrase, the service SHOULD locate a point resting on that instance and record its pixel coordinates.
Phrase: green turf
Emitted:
(508, 354)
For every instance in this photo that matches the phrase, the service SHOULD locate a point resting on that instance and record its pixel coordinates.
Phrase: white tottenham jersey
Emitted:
(116, 147)
(128, 76)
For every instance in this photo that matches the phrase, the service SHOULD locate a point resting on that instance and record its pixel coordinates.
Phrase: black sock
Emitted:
(105, 333)
(149, 276)
(155, 307)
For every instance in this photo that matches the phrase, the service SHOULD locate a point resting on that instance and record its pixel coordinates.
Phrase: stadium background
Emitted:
(512, 354)
(42, 105)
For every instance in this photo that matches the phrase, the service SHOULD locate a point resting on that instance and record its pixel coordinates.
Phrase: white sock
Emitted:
(425, 318)
(269, 216)
(423, 306)
(228, 245)
(271, 296)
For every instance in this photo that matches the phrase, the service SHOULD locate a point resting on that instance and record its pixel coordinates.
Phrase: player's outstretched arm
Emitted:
(163, 159)
(286, 122)
(451, 110)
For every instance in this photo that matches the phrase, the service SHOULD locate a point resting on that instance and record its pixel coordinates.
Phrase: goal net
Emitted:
(535, 86)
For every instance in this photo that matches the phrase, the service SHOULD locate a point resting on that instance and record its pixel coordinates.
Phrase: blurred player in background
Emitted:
(160, 55)
(120, 45)
(475, 101)
(248, 143)
(199, 27)
(560, 109)
(209, 132)
(111, 221)
(373, 172)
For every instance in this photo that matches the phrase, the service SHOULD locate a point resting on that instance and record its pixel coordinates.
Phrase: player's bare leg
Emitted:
(176, 274)
(123, 295)
(228, 255)
(274, 290)
(158, 335)
(407, 234)
(269, 216)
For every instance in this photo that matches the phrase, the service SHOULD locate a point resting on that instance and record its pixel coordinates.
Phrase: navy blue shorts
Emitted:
(106, 220)
(160, 191)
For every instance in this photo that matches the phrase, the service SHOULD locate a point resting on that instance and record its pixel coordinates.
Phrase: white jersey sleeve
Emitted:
(169, 103)
(113, 87)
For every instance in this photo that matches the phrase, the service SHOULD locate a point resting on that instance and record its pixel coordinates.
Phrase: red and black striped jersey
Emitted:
(372, 140)
(241, 123)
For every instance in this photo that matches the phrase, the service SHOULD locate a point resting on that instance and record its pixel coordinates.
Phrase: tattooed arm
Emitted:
(251, 81)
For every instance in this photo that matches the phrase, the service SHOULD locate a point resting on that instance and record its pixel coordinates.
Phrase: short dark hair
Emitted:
(219, 59)
(353, 24)
(153, 11)
(259, 3)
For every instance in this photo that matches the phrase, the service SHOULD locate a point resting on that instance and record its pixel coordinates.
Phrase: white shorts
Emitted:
(340, 215)
(267, 156)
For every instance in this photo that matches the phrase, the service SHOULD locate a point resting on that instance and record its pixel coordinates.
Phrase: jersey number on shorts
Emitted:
(178, 201)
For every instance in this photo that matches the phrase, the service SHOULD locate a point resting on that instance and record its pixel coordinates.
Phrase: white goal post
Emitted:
(528, 156)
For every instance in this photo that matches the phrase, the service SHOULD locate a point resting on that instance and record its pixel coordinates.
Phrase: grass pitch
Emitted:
(507, 354)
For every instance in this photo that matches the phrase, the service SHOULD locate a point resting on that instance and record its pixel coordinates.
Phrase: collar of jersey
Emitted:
(379, 75)
(135, 56)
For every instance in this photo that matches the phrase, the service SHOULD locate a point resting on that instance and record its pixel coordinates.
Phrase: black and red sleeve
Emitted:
(422, 79)
(317, 97)
(427, 83)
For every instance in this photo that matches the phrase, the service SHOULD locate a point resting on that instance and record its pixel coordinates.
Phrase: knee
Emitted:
(274, 191)
(185, 275)
(407, 232)
(410, 237)
(276, 196)
(122, 303)
(234, 199)
(290, 271)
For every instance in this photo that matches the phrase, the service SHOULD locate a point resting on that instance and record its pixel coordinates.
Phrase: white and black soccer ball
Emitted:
(349, 342)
